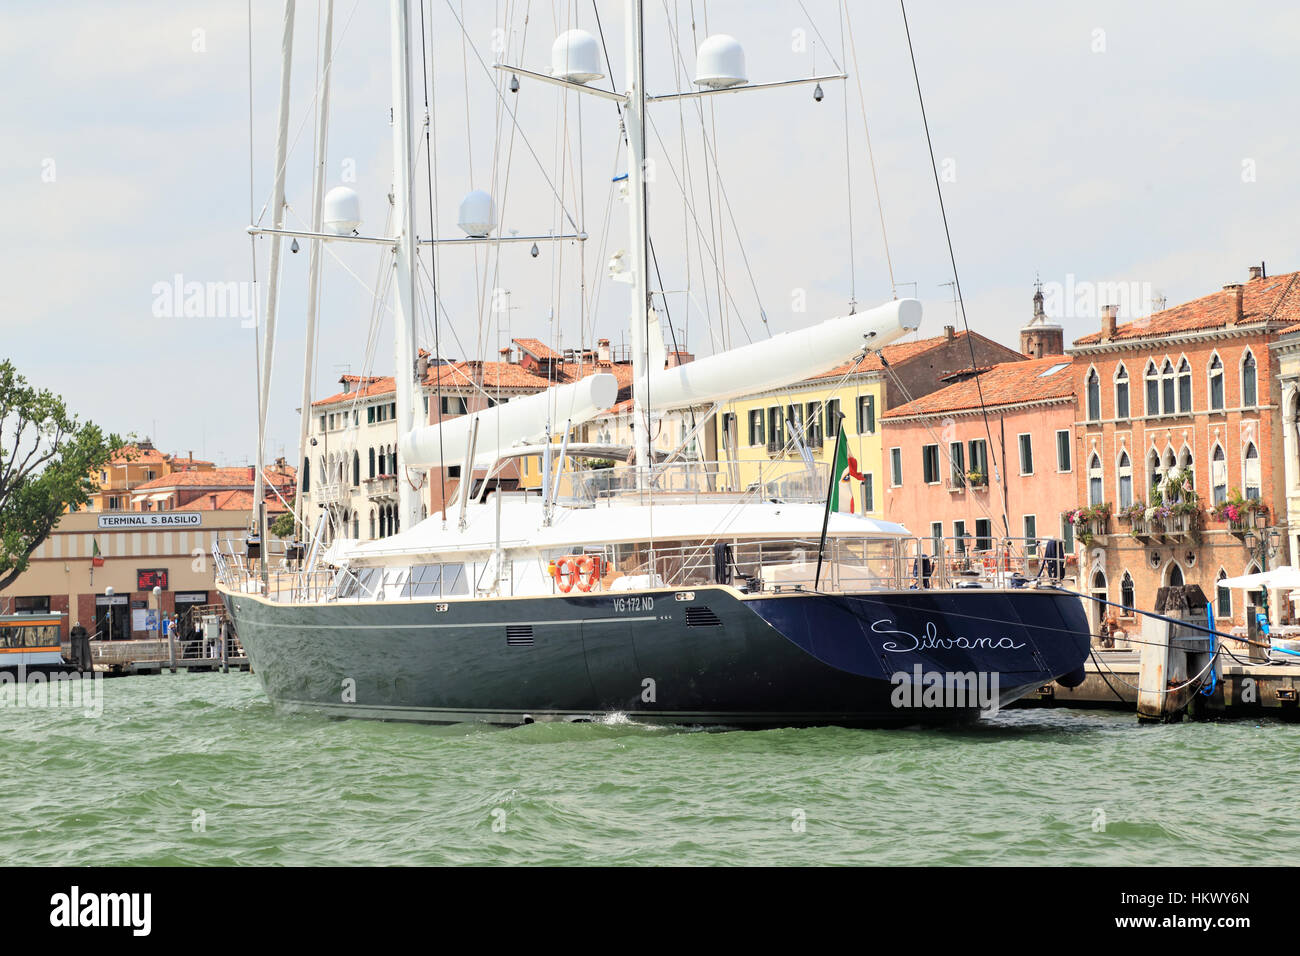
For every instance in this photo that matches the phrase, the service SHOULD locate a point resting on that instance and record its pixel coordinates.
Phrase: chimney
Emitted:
(679, 358)
(1108, 314)
(949, 333)
(1257, 272)
(506, 353)
(602, 350)
(1234, 290)
(422, 366)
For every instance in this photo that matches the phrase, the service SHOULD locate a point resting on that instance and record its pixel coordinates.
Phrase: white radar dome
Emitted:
(720, 63)
(341, 211)
(576, 57)
(478, 214)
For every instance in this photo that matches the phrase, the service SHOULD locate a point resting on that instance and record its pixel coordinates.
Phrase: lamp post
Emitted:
(171, 632)
(108, 593)
(1263, 542)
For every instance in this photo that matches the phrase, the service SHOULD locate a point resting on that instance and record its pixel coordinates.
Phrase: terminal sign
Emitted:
(127, 521)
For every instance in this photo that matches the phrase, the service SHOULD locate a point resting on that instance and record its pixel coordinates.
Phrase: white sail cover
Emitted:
(771, 363)
(521, 420)
(782, 359)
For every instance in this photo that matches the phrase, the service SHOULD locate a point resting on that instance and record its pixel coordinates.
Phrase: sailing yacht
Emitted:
(660, 588)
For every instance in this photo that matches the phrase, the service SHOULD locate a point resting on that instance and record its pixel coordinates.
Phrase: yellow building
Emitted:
(134, 465)
(755, 432)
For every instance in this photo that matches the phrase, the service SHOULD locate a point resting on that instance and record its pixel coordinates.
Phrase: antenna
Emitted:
(953, 285)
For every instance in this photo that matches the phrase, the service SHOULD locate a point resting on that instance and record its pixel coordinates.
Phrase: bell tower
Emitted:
(1041, 337)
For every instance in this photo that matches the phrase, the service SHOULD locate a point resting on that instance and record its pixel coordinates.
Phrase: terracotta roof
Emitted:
(217, 478)
(231, 501)
(1271, 298)
(906, 351)
(1010, 383)
(134, 455)
(537, 349)
(373, 386)
(507, 375)
(187, 462)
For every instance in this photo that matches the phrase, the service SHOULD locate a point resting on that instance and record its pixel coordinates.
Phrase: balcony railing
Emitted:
(1169, 527)
(381, 487)
(332, 492)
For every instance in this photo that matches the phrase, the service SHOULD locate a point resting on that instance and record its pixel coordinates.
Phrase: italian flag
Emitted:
(95, 560)
(846, 467)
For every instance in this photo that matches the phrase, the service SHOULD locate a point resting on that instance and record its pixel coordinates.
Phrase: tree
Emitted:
(282, 526)
(48, 460)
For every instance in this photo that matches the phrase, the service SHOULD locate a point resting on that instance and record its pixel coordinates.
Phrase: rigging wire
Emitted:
(871, 156)
(952, 256)
(848, 180)
(437, 324)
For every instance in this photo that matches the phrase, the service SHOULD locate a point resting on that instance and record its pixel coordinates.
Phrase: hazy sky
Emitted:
(1140, 143)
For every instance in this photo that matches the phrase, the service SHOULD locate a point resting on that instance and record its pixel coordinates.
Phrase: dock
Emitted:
(1242, 688)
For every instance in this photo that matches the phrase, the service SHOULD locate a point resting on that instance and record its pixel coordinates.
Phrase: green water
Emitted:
(199, 769)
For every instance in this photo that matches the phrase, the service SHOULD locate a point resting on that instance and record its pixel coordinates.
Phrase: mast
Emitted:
(313, 268)
(633, 117)
(408, 508)
(273, 278)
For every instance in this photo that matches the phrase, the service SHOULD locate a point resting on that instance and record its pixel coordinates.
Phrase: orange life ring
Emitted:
(565, 577)
(991, 563)
(588, 571)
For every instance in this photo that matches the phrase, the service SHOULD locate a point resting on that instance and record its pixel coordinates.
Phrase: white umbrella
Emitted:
(1284, 577)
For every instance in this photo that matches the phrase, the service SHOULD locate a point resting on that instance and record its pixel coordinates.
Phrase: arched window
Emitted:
(1167, 388)
(1250, 476)
(1121, 392)
(1216, 383)
(394, 521)
(372, 524)
(356, 469)
(1184, 387)
(383, 461)
(1223, 608)
(1219, 474)
(1094, 396)
(372, 466)
(1099, 586)
(1248, 381)
(306, 475)
(1186, 462)
(1126, 591)
(356, 525)
(1153, 474)
(1153, 389)
(1174, 576)
(1125, 480)
(1096, 491)
(1167, 466)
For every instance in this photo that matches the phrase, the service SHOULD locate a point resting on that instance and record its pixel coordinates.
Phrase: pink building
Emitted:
(949, 474)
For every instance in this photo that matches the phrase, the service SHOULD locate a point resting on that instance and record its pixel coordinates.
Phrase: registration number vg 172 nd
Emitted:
(629, 605)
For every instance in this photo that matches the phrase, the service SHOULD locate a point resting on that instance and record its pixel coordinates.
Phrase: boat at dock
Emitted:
(662, 587)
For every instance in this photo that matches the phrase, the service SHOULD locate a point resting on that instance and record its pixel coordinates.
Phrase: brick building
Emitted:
(1179, 413)
(946, 483)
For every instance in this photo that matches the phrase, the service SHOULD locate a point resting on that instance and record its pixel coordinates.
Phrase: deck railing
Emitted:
(848, 564)
(696, 481)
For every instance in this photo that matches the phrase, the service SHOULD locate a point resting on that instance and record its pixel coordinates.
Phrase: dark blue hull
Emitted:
(707, 656)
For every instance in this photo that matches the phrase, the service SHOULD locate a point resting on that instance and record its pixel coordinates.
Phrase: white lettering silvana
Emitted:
(131, 520)
(905, 641)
